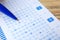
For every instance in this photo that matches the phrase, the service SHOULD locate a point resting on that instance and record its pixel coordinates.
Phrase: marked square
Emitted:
(50, 19)
(39, 8)
(2, 36)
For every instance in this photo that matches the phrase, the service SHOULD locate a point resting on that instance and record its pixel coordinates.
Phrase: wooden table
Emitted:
(53, 6)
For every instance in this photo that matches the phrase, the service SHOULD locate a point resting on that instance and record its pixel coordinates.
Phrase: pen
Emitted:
(7, 12)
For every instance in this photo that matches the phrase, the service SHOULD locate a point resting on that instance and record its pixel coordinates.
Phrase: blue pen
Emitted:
(7, 12)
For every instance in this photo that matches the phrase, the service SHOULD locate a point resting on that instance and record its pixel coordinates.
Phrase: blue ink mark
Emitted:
(2, 36)
(50, 19)
(39, 8)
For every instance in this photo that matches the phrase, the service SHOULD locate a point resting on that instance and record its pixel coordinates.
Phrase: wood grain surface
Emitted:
(53, 6)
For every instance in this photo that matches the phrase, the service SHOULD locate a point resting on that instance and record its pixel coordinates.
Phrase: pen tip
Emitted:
(17, 19)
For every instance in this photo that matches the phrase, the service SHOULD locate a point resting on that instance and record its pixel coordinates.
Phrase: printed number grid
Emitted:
(31, 25)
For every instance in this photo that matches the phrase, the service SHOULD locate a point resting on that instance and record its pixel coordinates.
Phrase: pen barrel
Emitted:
(7, 12)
